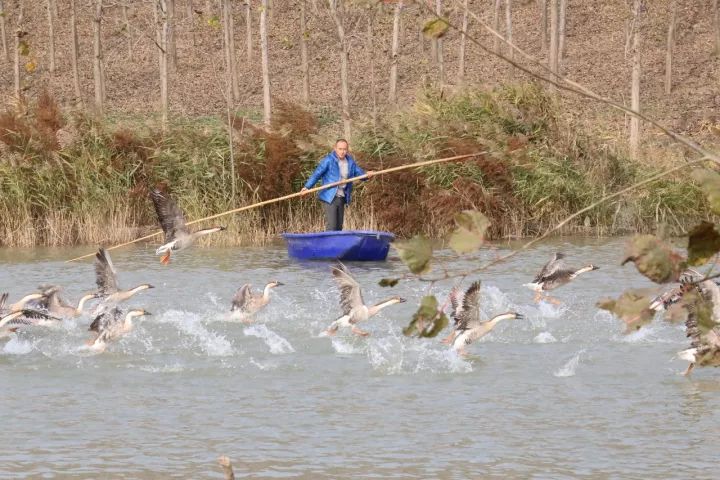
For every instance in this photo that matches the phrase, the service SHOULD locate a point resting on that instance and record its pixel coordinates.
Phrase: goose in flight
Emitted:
(703, 328)
(554, 275)
(13, 321)
(352, 304)
(246, 302)
(55, 305)
(106, 279)
(111, 325)
(20, 304)
(457, 301)
(172, 221)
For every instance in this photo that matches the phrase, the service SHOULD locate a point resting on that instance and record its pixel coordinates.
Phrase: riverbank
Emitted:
(72, 179)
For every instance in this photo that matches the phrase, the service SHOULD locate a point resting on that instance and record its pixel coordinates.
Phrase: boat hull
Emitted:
(349, 245)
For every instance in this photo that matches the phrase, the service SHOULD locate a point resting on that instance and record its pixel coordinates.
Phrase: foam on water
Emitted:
(569, 368)
(210, 343)
(544, 337)
(17, 346)
(278, 345)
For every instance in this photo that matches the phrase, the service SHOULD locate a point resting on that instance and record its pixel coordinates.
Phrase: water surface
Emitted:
(561, 394)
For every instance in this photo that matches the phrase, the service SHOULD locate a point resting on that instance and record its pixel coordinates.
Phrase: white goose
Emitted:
(55, 304)
(112, 325)
(108, 290)
(172, 221)
(13, 321)
(246, 303)
(353, 306)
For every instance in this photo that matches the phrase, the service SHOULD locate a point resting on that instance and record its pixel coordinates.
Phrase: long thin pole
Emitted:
(298, 194)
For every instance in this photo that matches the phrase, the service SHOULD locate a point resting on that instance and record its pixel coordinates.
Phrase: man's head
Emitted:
(341, 148)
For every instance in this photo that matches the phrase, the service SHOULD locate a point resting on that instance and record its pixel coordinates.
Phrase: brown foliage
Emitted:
(48, 120)
(14, 132)
(126, 142)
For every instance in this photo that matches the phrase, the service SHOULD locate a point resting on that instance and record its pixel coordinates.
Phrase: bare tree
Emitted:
(553, 60)
(248, 30)
(561, 33)
(371, 59)
(160, 13)
(267, 106)
(543, 24)
(439, 42)
(74, 54)
(716, 26)
(19, 34)
(2, 32)
(189, 17)
(304, 66)
(337, 12)
(635, 88)
(670, 47)
(170, 20)
(51, 33)
(126, 20)
(229, 44)
(508, 31)
(496, 25)
(98, 67)
(461, 54)
(394, 52)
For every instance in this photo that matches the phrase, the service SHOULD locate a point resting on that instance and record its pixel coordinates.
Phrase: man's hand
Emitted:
(304, 191)
(370, 174)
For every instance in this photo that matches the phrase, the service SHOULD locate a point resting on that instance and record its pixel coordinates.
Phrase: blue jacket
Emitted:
(328, 170)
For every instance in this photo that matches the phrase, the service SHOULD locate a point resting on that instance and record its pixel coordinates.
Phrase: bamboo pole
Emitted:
(297, 194)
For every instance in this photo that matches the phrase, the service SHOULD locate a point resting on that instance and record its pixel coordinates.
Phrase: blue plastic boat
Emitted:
(351, 245)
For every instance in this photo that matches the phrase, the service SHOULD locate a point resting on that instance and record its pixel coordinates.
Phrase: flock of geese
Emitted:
(110, 321)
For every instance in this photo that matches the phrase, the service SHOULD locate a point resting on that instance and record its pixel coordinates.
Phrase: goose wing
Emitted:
(3, 300)
(105, 274)
(169, 215)
(102, 321)
(469, 316)
(456, 300)
(711, 292)
(555, 264)
(350, 294)
(242, 298)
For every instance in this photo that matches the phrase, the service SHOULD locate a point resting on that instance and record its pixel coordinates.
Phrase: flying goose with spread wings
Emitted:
(108, 290)
(554, 275)
(246, 302)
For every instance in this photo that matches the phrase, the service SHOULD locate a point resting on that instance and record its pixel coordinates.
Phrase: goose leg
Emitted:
(357, 331)
(331, 330)
(689, 369)
(552, 300)
(538, 297)
(165, 259)
(449, 339)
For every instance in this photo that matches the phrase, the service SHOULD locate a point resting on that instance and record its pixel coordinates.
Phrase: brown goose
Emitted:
(472, 328)
(19, 305)
(13, 321)
(457, 302)
(246, 303)
(55, 305)
(106, 279)
(111, 325)
(172, 221)
(352, 303)
(703, 328)
(554, 275)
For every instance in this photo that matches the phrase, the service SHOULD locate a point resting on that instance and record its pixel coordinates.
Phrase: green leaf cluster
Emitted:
(428, 321)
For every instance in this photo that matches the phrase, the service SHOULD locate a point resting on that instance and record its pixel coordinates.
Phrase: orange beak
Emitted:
(165, 259)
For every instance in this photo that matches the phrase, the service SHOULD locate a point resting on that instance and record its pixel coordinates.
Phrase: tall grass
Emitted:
(79, 180)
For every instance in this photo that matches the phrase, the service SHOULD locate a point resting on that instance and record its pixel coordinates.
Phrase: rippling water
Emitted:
(560, 394)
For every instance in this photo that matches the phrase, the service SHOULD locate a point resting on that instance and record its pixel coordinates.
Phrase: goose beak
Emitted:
(150, 286)
(278, 284)
(402, 300)
(519, 316)
(146, 313)
(594, 267)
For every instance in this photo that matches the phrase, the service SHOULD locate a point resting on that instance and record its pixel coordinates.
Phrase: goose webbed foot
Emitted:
(357, 331)
(689, 369)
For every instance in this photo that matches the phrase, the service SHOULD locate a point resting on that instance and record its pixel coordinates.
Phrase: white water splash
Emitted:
(209, 342)
(344, 347)
(16, 346)
(174, 368)
(568, 370)
(544, 337)
(278, 345)
(548, 310)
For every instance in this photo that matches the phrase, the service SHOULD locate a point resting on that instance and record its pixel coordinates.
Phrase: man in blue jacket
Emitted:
(337, 165)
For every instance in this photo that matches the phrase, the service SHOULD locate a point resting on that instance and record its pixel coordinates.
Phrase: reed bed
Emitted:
(74, 179)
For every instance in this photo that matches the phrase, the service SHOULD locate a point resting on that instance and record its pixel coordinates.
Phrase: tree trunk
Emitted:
(19, 34)
(508, 32)
(422, 42)
(635, 89)
(371, 56)
(561, 34)
(3, 34)
(267, 106)
(189, 16)
(554, 40)
(461, 54)
(98, 69)
(229, 44)
(670, 47)
(439, 41)
(337, 15)
(248, 31)
(126, 19)
(496, 26)
(74, 54)
(543, 24)
(161, 37)
(51, 33)
(170, 29)
(304, 54)
(716, 26)
(394, 52)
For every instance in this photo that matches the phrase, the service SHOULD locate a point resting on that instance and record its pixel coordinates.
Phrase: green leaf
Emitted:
(654, 258)
(709, 183)
(703, 243)
(214, 21)
(416, 253)
(24, 48)
(388, 282)
(428, 321)
(632, 307)
(470, 234)
(435, 28)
